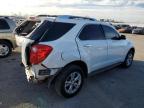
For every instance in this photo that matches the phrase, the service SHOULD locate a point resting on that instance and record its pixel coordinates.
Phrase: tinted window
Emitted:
(92, 32)
(38, 33)
(56, 30)
(109, 32)
(3, 25)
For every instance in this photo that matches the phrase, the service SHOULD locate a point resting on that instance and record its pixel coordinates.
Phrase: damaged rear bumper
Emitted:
(39, 73)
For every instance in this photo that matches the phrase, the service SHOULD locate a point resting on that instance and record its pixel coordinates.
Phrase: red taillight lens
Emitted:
(39, 52)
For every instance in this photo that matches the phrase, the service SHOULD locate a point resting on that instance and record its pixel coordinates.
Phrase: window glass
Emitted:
(4, 25)
(39, 31)
(109, 32)
(56, 30)
(92, 32)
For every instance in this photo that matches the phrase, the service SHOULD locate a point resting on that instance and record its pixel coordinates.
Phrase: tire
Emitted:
(64, 83)
(5, 49)
(129, 59)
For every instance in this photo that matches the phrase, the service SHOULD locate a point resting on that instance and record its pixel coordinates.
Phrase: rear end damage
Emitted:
(35, 69)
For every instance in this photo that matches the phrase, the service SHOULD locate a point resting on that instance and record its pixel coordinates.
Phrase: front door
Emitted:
(116, 46)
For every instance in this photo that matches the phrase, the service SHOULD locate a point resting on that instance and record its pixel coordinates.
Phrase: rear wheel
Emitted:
(70, 81)
(5, 49)
(129, 59)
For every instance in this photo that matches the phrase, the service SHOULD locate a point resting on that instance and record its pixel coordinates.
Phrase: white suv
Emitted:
(66, 50)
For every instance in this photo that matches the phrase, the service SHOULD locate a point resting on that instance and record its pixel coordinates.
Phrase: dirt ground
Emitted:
(116, 88)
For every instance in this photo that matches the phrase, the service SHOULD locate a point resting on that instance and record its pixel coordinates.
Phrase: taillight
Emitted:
(39, 53)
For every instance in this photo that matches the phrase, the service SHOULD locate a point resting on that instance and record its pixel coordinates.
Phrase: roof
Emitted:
(65, 18)
(69, 19)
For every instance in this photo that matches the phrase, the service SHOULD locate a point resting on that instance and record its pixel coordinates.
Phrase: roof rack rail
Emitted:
(67, 17)
(78, 17)
(47, 15)
(75, 17)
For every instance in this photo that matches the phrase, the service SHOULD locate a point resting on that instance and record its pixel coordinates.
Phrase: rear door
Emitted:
(116, 47)
(23, 31)
(93, 46)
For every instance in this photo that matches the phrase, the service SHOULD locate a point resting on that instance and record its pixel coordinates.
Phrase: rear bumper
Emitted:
(38, 73)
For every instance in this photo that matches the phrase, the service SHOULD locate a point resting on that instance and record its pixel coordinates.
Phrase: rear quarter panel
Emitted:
(62, 54)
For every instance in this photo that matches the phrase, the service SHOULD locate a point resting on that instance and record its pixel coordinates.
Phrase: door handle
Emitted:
(88, 45)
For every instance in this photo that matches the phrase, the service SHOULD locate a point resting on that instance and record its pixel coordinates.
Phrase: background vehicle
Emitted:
(125, 30)
(117, 27)
(68, 49)
(138, 30)
(124, 25)
(7, 39)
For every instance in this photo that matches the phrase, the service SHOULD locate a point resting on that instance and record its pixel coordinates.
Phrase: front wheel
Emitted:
(5, 49)
(129, 59)
(70, 81)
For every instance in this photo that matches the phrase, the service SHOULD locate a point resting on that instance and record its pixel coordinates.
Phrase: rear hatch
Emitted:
(24, 30)
(32, 38)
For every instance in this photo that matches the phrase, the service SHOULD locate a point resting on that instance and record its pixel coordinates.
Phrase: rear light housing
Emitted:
(38, 53)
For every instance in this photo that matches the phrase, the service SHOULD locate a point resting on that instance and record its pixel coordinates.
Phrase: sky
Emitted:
(122, 10)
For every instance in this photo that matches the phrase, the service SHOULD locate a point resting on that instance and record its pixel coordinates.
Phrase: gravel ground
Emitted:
(116, 88)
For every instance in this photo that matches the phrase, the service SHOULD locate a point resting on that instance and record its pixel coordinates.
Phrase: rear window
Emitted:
(56, 30)
(4, 25)
(26, 28)
(38, 33)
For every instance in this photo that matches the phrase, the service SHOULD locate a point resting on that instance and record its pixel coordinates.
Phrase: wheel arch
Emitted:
(8, 41)
(80, 63)
(132, 49)
(77, 62)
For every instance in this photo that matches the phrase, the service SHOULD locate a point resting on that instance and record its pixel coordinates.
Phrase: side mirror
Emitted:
(123, 37)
